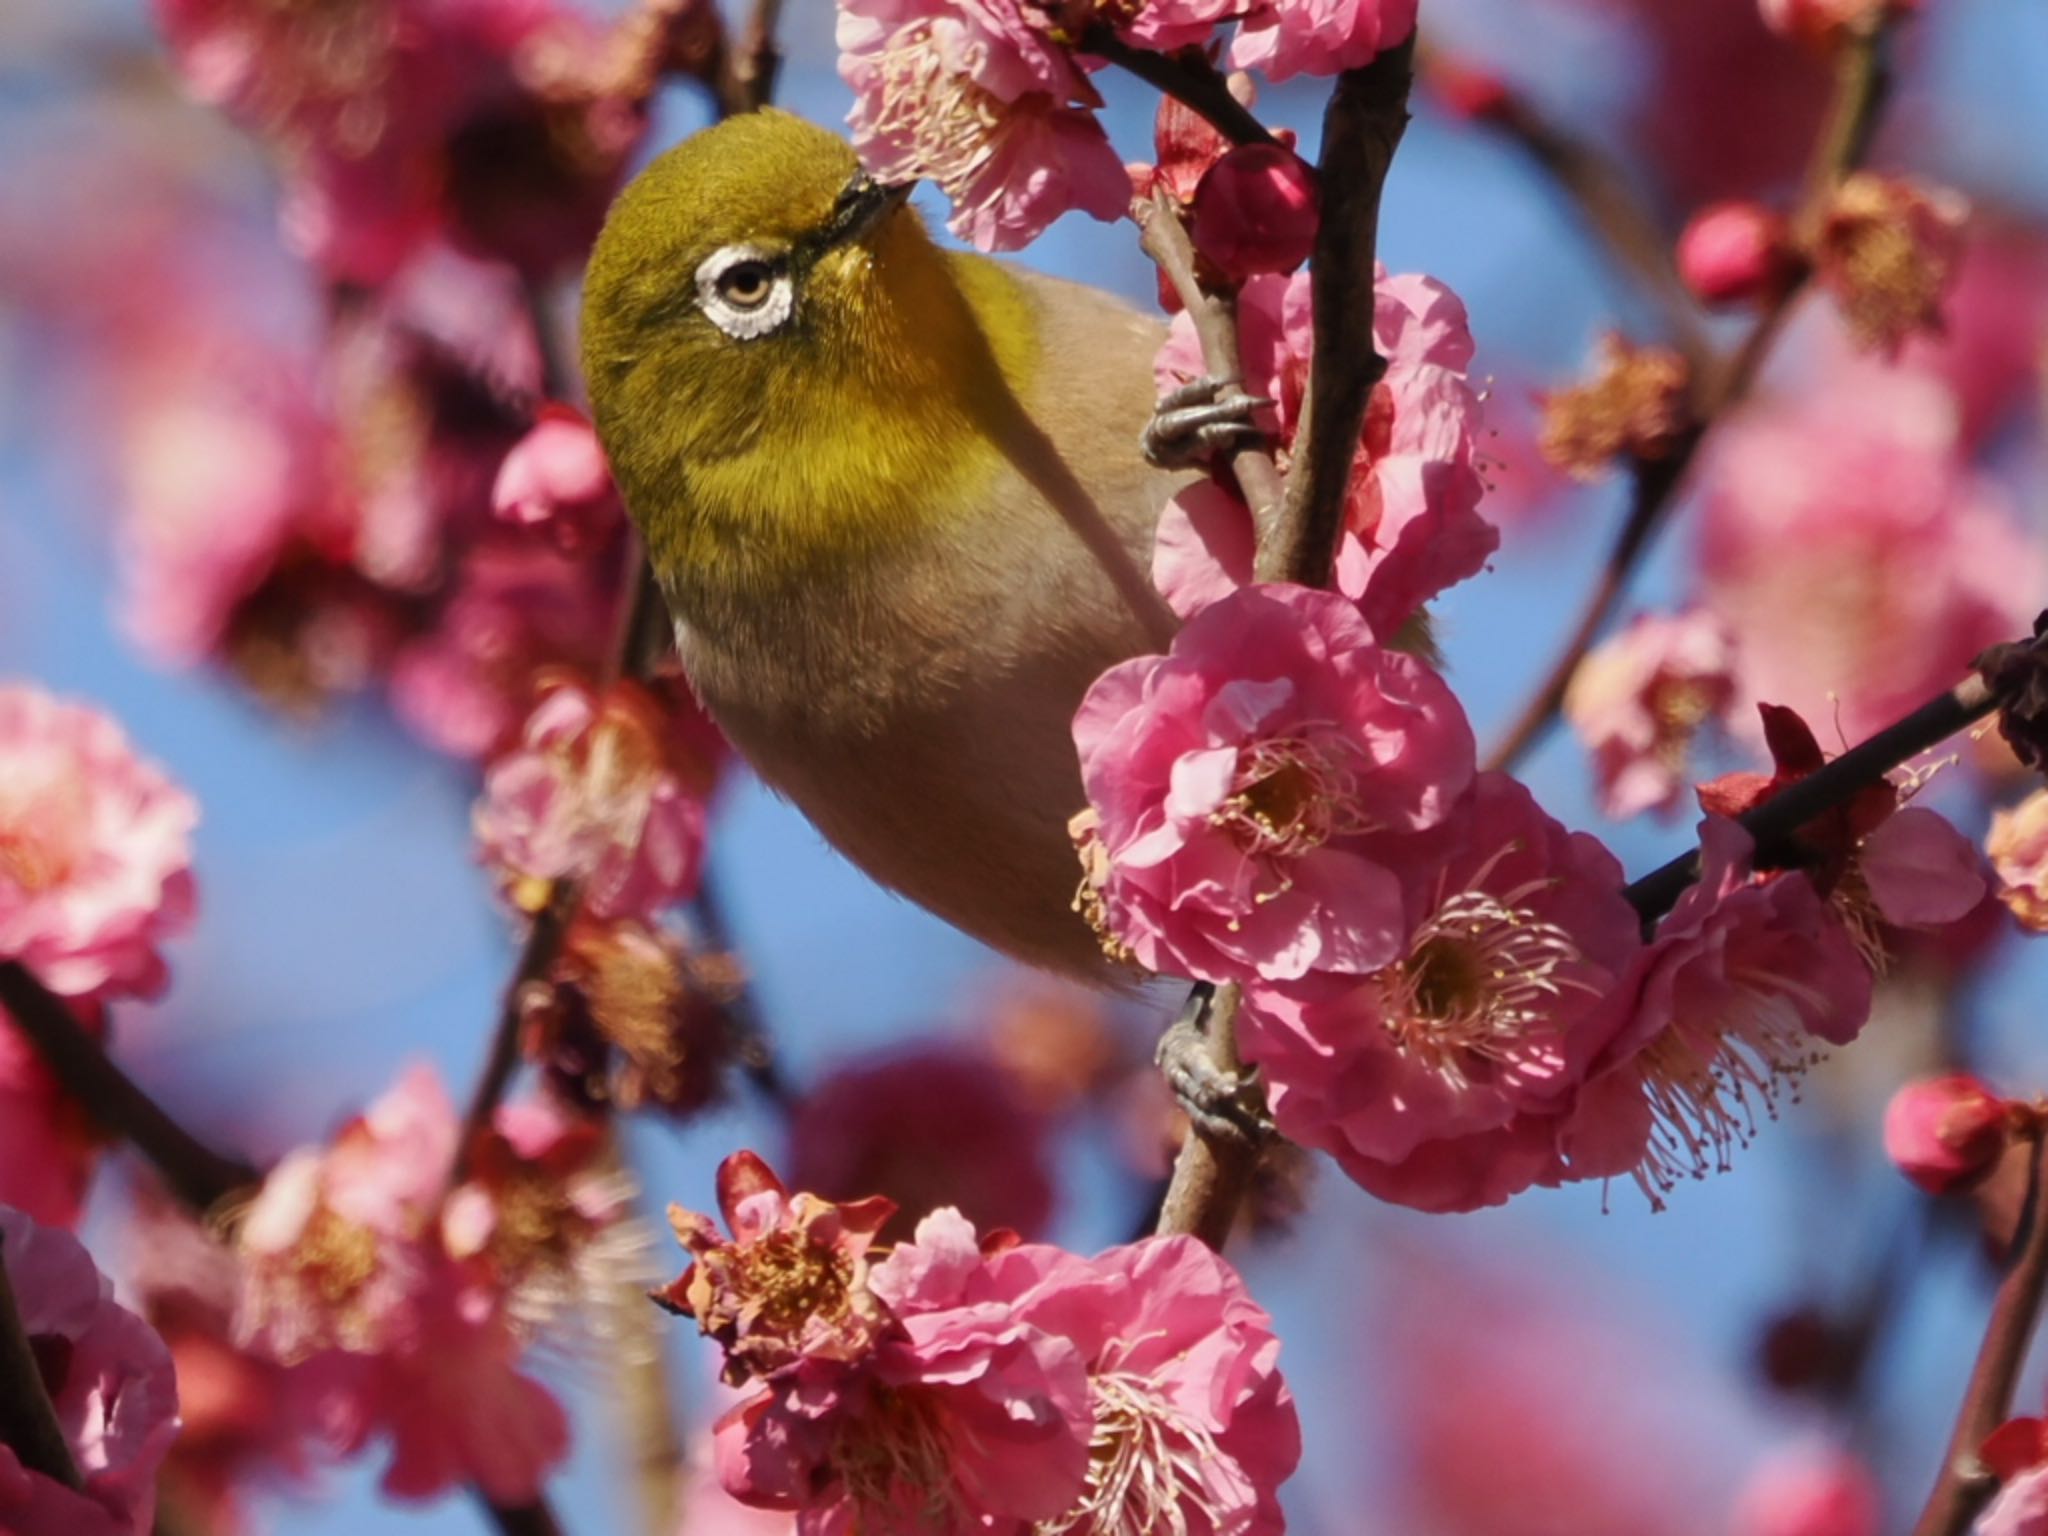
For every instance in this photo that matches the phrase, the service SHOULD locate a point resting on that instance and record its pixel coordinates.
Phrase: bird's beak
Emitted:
(862, 205)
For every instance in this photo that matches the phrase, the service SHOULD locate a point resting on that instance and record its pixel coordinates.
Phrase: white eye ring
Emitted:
(744, 322)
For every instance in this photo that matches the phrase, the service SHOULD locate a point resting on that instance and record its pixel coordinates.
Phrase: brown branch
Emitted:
(1165, 239)
(28, 1419)
(1598, 191)
(1214, 1171)
(747, 81)
(200, 1176)
(1965, 1484)
(1188, 78)
(1362, 127)
(1774, 822)
(1860, 91)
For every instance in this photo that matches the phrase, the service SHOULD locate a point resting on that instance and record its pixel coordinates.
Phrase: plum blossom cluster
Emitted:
(108, 1378)
(95, 874)
(595, 791)
(378, 493)
(399, 1289)
(1445, 989)
(991, 100)
(968, 1384)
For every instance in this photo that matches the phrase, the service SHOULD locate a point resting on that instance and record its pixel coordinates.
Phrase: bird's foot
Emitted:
(1198, 420)
(1225, 1105)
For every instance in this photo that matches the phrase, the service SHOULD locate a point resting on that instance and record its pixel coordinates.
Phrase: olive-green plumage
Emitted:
(894, 497)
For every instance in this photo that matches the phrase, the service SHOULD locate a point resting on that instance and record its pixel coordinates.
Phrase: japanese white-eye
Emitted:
(895, 499)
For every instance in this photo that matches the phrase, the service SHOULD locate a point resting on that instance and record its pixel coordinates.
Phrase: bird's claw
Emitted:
(1198, 420)
(1225, 1105)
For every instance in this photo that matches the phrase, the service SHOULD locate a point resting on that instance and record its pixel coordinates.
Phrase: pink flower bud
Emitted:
(1946, 1132)
(1810, 1492)
(1819, 23)
(556, 479)
(1256, 211)
(1469, 92)
(1735, 251)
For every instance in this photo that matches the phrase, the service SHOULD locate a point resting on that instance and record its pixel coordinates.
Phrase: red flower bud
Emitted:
(1946, 1132)
(1256, 211)
(1734, 252)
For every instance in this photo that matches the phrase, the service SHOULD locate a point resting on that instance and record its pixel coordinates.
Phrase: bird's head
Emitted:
(752, 259)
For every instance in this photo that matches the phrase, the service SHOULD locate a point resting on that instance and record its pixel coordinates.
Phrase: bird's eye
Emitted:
(746, 284)
(747, 291)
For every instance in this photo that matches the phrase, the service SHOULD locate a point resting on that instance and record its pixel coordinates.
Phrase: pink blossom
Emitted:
(1639, 700)
(1170, 25)
(514, 609)
(933, 1125)
(244, 1426)
(785, 1250)
(592, 792)
(1232, 784)
(403, 121)
(1493, 1008)
(333, 1245)
(2018, 846)
(95, 850)
(1735, 252)
(1256, 210)
(48, 1143)
(1834, 523)
(396, 1334)
(447, 1395)
(1945, 1133)
(540, 1221)
(961, 1416)
(556, 478)
(1746, 979)
(1919, 871)
(1284, 38)
(1810, 1491)
(1194, 1427)
(976, 96)
(107, 1375)
(2021, 1508)
(1412, 525)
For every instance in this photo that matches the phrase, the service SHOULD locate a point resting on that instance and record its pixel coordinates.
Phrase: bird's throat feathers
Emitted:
(871, 420)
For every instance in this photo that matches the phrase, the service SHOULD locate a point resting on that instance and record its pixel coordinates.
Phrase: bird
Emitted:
(895, 499)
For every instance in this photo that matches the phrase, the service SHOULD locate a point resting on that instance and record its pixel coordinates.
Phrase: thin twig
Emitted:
(1214, 1172)
(1965, 1484)
(535, 1519)
(1362, 127)
(1164, 238)
(751, 1043)
(1774, 822)
(1598, 190)
(529, 984)
(29, 1426)
(1861, 88)
(200, 1176)
(1186, 76)
(747, 82)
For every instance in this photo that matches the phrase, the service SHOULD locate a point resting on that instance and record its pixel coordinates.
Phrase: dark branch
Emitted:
(1774, 822)
(1362, 127)
(200, 1176)
(1964, 1484)
(1188, 78)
